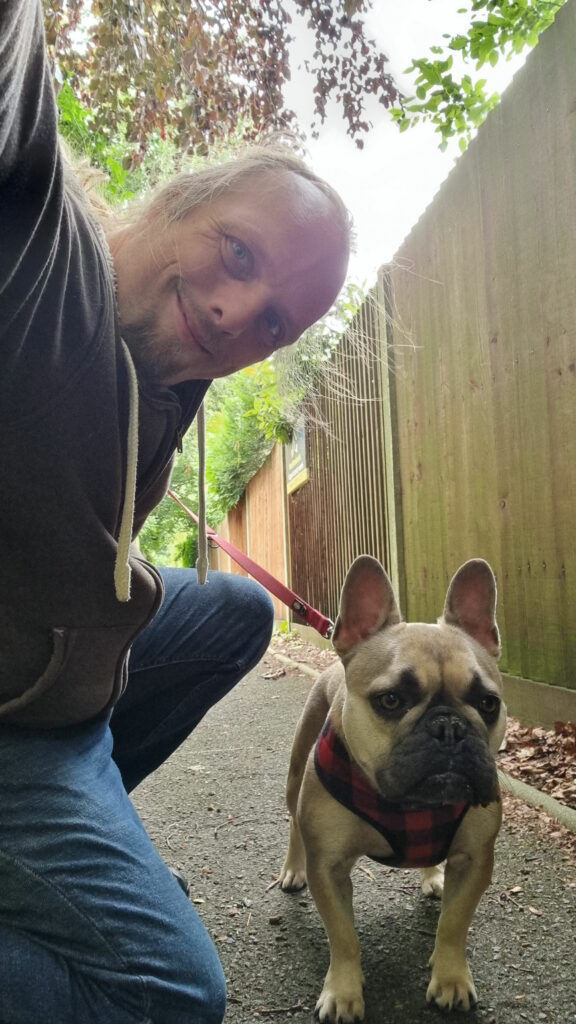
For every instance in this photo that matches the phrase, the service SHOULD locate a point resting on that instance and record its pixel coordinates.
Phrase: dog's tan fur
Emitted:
(326, 838)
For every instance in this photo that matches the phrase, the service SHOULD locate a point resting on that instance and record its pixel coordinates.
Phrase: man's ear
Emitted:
(471, 604)
(367, 604)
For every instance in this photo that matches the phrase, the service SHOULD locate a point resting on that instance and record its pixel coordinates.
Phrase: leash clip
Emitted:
(299, 607)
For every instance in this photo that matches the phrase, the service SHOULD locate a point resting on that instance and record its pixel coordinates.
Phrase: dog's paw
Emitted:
(451, 987)
(292, 879)
(341, 1000)
(333, 1008)
(432, 881)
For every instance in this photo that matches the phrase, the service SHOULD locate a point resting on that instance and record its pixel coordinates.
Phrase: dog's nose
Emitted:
(447, 727)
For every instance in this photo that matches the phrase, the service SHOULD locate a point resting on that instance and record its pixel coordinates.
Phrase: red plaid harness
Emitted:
(419, 837)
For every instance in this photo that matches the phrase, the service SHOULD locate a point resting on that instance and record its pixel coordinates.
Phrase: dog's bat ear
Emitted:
(471, 604)
(367, 604)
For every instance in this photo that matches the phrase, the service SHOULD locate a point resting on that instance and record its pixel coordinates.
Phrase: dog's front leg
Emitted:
(341, 998)
(293, 874)
(467, 876)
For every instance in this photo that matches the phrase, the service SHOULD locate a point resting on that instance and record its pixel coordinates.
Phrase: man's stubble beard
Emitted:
(156, 360)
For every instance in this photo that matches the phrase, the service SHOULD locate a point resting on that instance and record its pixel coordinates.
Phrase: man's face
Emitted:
(236, 279)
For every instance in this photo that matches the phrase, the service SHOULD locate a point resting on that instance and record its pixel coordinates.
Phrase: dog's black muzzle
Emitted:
(443, 761)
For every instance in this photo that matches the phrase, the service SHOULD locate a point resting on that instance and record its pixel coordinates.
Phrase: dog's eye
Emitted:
(489, 705)
(389, 704)
(390, 701)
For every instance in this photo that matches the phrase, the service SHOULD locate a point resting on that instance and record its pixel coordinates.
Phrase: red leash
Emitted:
(312, 617)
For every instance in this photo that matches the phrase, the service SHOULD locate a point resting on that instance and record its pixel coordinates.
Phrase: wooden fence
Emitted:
(310, 537)
(485, 354)
(257, 526)
(343, 510)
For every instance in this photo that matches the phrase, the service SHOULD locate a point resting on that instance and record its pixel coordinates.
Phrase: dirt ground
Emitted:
(216, 810)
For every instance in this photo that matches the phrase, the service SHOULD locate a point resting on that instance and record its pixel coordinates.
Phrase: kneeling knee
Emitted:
(250, 617)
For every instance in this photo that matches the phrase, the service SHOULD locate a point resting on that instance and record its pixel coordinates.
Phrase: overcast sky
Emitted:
(392, 180)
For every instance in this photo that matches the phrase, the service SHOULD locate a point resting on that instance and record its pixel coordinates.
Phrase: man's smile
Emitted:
(187, 329)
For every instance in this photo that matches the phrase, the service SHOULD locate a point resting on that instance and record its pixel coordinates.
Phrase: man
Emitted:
(108, 341)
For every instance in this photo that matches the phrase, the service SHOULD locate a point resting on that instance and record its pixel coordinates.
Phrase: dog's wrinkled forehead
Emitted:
(435, 657)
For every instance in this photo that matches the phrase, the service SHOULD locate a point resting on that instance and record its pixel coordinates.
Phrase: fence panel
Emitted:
(485, 349)
(266, 523)
(341, 511)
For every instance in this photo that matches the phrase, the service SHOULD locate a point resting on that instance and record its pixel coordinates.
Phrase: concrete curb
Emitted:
(565, 815)
(529, 794)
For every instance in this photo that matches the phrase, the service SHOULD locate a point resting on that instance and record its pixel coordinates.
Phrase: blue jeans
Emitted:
(93, 927)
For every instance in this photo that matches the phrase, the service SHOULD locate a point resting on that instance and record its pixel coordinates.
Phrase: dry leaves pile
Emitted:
(542, 758)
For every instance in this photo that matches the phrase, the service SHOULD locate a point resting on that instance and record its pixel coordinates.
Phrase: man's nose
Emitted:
(237, 309)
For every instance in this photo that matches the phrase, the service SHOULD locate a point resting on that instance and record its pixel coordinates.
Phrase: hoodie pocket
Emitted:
(84, 677)
(19, 693)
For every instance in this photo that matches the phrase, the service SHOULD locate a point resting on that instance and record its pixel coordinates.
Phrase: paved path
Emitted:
(217, 811)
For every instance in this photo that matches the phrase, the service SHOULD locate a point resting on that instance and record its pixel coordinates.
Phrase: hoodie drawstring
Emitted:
(122, 569)
(202, 560)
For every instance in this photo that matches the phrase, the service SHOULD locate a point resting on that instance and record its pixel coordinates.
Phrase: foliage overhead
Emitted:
(457, 105)
(195, 69)
(113, 154)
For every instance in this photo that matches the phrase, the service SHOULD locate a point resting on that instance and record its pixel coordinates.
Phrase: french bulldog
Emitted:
(394, 758)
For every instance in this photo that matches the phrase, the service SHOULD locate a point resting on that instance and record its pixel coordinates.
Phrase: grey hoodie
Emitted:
(65, 407)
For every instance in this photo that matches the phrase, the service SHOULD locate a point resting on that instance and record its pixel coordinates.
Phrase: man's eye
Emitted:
(274, 328)
(240, 251)
(237, 257)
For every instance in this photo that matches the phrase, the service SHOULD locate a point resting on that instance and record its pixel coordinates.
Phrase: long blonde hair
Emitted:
(172, 200)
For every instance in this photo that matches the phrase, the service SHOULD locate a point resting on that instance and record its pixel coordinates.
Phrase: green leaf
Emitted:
(458, 43)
